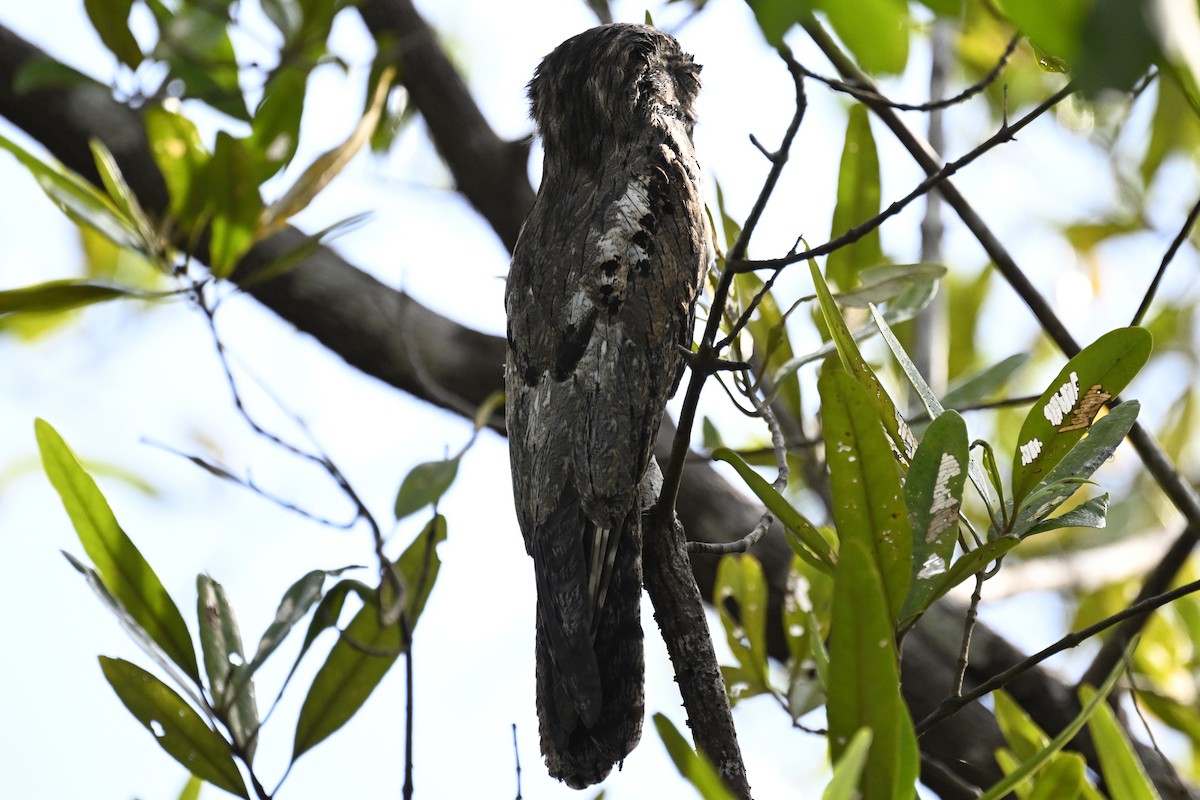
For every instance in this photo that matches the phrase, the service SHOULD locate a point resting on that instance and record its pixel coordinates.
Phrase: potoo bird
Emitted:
(600, 302)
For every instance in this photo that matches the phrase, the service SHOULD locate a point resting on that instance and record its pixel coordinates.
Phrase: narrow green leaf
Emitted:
(326, 166)
(369, 645)
(276, 125)
(933, 493)
(864, 677)
(1076, 466)
(851, 358)
(1123, 772)
(847, 772)
(1030, 765)
(235, 204)
(868, 503)
(1024, 736)
(813, 542)
(122, 196)
(125, 572)
(489, 408)
(76, 197)
(874, 31)
(110, 18)
(424, 485)
(131, 626)
(66, 294)
(221, 644)
(296, 602)
(1066, 409)
(982, 385)
(858, 196)
(191, 789)
(355, 666)
(1063, 778)
(418, 565)
(693, 766)
(182, 158)
(965, 567)
(740, 595)
(908, 304)
(879, 284)
(195, 42)
(1056, 27)
(1091, 513)
(179, 729)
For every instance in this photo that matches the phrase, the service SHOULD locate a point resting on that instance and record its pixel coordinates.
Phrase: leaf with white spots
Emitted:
(868, 503)
(933, 492)
(1066, 409)
(1074, 470)
(176, 725)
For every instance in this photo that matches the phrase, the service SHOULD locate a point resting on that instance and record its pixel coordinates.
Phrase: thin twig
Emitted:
(969, 621)
(952, 705)
(933, 105)
(517, 759)
(1166, 260)
(707, 353)
(933, 179)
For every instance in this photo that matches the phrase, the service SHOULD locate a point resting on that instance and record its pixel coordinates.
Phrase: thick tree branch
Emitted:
(490, 172)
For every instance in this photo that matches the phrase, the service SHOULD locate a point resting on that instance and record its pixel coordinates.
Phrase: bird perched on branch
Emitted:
(600, 301)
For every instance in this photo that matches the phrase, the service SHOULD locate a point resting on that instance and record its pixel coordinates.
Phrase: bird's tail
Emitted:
(575, 753)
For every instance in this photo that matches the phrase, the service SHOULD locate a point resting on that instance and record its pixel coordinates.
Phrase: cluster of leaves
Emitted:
(216, 722)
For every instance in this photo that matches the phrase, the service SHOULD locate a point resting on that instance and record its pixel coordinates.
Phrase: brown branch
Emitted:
(489, 171)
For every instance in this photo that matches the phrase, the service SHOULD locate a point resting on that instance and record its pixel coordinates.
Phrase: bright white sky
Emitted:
(121, 375)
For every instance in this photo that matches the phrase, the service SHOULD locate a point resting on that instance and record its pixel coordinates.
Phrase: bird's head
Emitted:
(604, 86)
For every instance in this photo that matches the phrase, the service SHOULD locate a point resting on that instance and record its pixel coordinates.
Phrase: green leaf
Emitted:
(124, 198)
(1020, 731)
(817, 551)
(875, 31)
(369, 645)
(1031, 764)
(179, 729)
(868, 503)
(1117, 47)
(1087, 456)
(418, 565)
(181, 157)
(933, 493)
(424, 485)
(851, 358)
(110, 18)
(195, 43)
(1055, 27)
(864, 677)
(740, 595)
(221, 644)
(982, 385)
(355, 666)
(1063, 778)
(965, 567)
(76, 197)
(296, 602)
(693, 766)
(1174, 128)
(1123, 772)
(879, 284)
(121, 566)
(191, 789)
(858, 196)
(776, 17)
(66, 294)
(1066, 409)
(1092, 513)
(235, 204)
(326, 166)
(848, 770)
(276, 126)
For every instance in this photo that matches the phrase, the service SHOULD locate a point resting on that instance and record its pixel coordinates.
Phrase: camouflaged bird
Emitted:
(600, 302)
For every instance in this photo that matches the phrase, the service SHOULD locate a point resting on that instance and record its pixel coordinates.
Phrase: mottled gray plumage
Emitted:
(600, 298)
